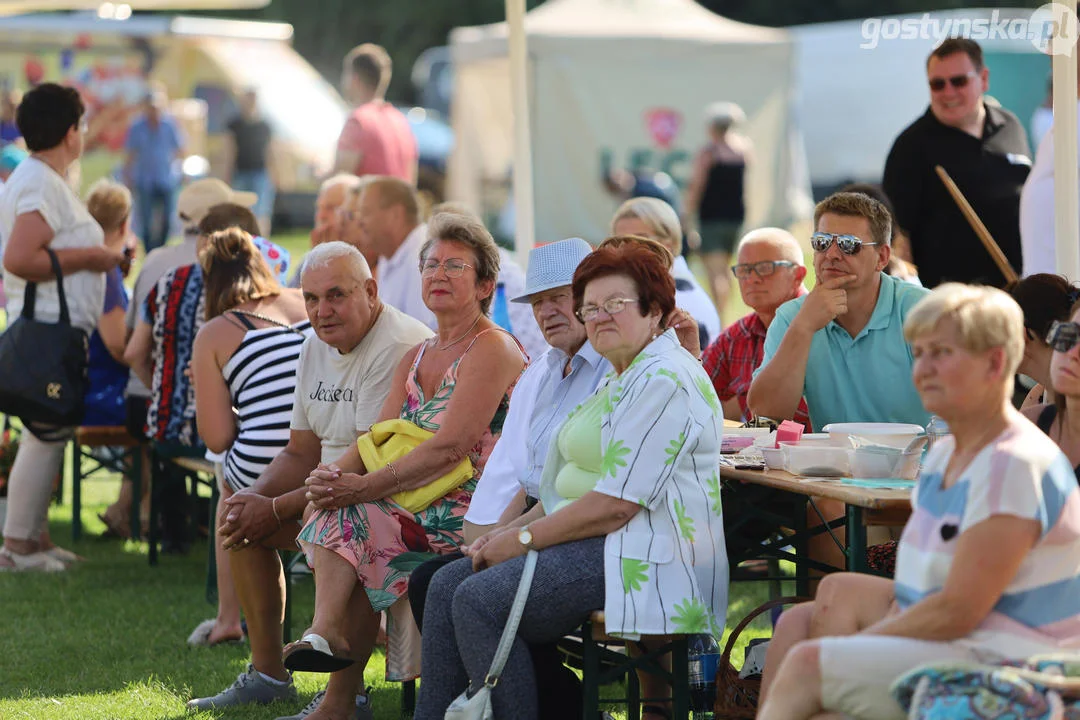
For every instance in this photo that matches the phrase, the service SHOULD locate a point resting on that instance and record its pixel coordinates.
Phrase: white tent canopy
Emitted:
(620, 84)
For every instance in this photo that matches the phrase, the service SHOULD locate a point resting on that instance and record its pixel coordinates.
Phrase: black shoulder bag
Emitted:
(43, 366)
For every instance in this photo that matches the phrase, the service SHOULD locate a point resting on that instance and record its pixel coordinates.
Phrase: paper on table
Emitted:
(880, 483)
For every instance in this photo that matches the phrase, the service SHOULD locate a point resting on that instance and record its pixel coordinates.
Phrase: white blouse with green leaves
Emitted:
(666, 570)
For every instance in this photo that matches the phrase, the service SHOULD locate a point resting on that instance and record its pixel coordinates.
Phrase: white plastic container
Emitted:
(896, 435)
(817, 460)
(885, 463)
(775, 458)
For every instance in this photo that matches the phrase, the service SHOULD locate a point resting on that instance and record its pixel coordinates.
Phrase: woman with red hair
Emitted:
(629, 520)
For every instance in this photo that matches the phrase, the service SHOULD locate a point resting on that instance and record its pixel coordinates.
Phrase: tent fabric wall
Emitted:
(599, 70)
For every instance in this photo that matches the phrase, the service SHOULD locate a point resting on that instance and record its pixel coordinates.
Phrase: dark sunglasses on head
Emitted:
(1063, 336)
(848, 244)
(957, 81)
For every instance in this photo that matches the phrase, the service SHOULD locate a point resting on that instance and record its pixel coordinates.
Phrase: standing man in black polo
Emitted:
(985, 150)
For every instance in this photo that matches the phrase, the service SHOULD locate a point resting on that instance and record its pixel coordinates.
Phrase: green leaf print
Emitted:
(709, 393)
(406, 562)
(691, 616)
(713, 485)
(668, 374)
(686, 523)
(674, 448)
(613, 458)
(635, 573)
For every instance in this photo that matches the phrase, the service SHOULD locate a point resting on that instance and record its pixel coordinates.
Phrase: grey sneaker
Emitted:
(250, 687)
(363, 709)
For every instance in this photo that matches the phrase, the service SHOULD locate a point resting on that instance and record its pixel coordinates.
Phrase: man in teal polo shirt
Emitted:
(842, 345)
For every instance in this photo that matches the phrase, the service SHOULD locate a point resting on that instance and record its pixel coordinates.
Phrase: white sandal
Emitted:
(63, 555)
(32, 562)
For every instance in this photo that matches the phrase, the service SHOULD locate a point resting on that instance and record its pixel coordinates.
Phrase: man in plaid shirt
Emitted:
(770, 271)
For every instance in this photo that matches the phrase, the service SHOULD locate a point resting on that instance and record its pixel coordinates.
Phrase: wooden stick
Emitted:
(977, 225)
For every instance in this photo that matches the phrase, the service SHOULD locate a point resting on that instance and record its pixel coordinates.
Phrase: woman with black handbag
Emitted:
(47, 234)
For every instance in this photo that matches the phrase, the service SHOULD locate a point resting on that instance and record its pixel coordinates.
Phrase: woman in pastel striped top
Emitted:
(988, 567)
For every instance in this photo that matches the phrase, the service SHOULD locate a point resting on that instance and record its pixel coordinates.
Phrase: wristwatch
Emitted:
(525, 537)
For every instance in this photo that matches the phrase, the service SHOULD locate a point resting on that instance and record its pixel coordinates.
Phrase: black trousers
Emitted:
(560, 688)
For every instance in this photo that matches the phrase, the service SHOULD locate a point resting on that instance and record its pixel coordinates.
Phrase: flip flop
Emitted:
(63, 555)
(312, 653)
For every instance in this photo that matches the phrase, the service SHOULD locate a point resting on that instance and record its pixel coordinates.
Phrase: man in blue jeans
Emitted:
(154, 148)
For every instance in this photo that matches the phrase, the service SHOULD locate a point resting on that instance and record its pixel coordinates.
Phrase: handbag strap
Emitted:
(510, 631)
(30, 293)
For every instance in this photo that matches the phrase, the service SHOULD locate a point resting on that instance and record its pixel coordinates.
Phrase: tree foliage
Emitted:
(326, 29)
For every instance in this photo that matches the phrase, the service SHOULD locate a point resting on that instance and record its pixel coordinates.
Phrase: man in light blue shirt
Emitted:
(154, 146)
(843, 344)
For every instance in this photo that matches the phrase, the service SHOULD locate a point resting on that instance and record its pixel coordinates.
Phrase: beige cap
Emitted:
(197, 198)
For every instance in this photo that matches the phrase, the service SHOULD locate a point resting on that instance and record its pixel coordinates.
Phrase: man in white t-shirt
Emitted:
(344, 377)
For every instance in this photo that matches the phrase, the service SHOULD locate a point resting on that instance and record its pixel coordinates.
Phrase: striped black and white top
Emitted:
(261, 376)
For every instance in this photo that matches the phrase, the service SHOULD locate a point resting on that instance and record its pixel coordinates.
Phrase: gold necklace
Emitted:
(450, 345)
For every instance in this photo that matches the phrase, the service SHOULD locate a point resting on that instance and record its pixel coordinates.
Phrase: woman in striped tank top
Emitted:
(244, 367)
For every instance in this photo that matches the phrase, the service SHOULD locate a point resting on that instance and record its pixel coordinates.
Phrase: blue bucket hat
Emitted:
(552, 266)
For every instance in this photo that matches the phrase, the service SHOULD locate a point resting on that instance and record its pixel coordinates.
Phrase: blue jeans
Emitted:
(149, 202)
(258, 182)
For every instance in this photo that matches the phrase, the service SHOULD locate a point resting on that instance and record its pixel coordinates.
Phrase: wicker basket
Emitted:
(737, 698)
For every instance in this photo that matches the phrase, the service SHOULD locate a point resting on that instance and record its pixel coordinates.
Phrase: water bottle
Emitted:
(500, 310)
(936, 430)
(704, 656)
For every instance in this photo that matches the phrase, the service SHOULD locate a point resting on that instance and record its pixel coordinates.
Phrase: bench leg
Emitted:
(680, 677)
(136, 491)
(155, 489)
(211, 560)
(76, 491)
(590, 673)
(408, 699)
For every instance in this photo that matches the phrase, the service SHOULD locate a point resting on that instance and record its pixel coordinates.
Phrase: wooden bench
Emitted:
(603, 660)
(198, 470)
(87, 439)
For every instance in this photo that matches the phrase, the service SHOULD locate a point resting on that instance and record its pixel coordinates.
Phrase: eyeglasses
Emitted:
(612, 306)
(762, 269)
(1063, 336)
(848, 244)
(453, 267)
(957, 81)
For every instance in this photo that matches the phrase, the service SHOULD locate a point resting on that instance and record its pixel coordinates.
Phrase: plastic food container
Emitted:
(880, 462)
(775, 458)
(896, 435)
(817, 460)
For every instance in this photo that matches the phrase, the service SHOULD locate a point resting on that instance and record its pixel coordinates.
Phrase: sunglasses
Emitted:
(848, 244)
(1063, 336)
(957, 81)
(762, 269)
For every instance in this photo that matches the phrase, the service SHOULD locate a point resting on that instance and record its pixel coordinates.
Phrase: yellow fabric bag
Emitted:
(390, 440)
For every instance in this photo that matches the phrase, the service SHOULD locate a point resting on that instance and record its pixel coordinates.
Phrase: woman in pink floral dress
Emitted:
(362, 545)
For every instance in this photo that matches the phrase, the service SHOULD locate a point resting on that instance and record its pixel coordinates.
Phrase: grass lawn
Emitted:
(106, 640)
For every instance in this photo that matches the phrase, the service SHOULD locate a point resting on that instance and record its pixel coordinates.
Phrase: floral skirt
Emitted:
(386, 543)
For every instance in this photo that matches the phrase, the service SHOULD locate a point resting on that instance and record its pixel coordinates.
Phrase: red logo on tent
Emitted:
(663, 125)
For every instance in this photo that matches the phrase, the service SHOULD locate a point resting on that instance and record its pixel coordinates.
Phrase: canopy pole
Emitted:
(524, 226)
(1066, 184)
